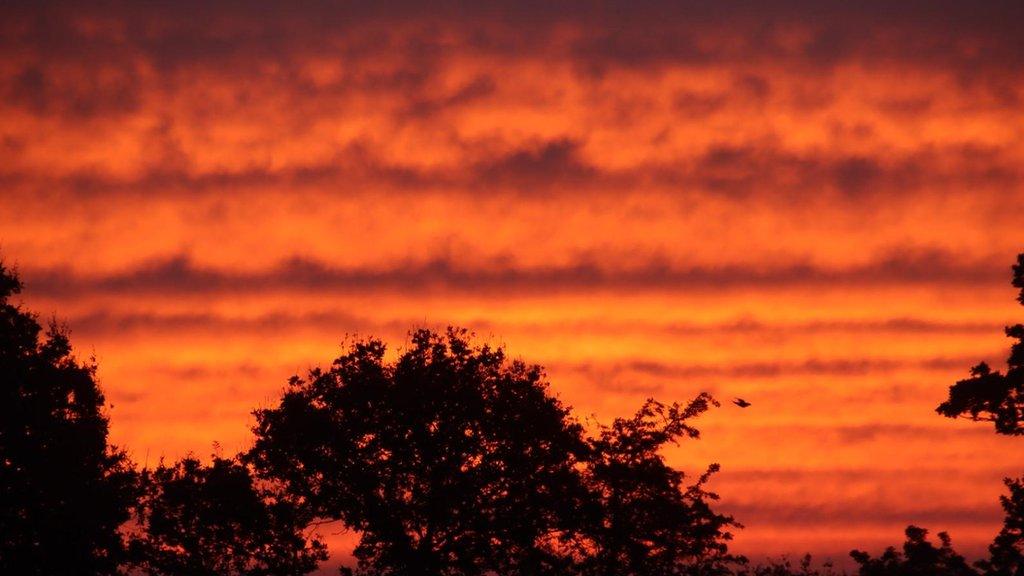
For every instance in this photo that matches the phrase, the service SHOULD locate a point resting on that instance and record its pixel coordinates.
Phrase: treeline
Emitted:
(451, 459)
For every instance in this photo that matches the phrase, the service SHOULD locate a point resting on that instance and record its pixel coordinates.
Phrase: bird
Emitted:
(741, 402)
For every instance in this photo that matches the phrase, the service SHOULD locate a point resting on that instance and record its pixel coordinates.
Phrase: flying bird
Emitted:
(741, 402)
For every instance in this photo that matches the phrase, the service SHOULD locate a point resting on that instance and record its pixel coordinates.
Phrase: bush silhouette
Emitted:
(919, 557)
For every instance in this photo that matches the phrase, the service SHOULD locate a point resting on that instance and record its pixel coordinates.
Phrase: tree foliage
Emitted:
(1007, 550)
(64, 492)
(992, 395)
(648, 520)
(919, 557)
(214, 520)
(450, 460)
(453, 459)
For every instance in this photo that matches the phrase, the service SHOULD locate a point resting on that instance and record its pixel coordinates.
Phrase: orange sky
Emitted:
(809, 205)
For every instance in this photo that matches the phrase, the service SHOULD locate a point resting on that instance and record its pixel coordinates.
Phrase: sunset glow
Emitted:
(812, 206)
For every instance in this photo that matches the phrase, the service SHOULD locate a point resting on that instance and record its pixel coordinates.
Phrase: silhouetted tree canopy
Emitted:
(648, 521)
(449, 460)
(454, 460)
(215, 520)
(63, 490)
(991, 395)
(919, 557)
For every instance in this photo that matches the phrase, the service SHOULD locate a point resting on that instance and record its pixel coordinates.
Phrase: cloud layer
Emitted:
(812, 205)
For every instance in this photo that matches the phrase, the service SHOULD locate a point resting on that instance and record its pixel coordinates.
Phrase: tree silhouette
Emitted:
(994, 396)
(649, 522)
(918, 558)
(449, 460)
(999, 398)
(1007, 550)
(453, 460)
(216, 521)
(63, 490)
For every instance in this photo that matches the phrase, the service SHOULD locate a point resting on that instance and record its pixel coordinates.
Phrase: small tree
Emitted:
(648, 521)
(991, 395)
(216, 520)
(63, 490)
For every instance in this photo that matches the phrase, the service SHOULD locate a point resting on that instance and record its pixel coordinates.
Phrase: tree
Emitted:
(994, 396)
(449, 460)
(453, 460)
(64, 491)
(648, 521)
(215, 520)
(999, 398)
(918, 558)
(1007, 550)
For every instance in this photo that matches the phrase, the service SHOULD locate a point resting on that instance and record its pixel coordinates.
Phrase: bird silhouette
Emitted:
(741, 402)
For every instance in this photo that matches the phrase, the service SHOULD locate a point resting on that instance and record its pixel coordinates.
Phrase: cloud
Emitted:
(597, 182)
(445, 274)
(543, 165)
(619, 32)
(777, 100)
(544, 168)
(835, 367)
(71, 95)
(106, 322)
(832, 476)
(475, 90)
(862, 512)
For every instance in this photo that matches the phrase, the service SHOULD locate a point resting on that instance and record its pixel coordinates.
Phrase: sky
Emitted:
(810, 205)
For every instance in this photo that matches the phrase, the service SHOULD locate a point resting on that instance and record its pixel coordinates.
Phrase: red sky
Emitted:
(810, 205)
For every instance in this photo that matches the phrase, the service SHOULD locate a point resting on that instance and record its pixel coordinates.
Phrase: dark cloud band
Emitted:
(180, 275)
